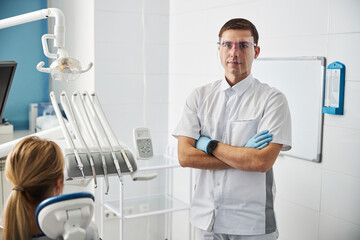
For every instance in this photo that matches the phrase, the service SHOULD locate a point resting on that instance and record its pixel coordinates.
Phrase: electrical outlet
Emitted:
(108, 214)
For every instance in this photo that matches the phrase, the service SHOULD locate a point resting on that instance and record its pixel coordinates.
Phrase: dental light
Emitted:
(63, 68)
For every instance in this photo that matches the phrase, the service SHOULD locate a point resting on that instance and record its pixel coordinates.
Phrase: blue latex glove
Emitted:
(260, 140)
(202, 143)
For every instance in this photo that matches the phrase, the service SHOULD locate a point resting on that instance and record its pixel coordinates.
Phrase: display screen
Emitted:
(7, 71)
(142, 133)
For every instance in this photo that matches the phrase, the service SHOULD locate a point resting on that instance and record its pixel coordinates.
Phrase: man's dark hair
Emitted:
(242, 24)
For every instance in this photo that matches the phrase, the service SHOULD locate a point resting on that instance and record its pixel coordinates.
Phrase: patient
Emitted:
(35, 170)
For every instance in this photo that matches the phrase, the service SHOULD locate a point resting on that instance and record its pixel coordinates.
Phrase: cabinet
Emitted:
(157, 198)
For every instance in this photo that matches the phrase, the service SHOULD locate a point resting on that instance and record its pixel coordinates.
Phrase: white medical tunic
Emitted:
(233, 201)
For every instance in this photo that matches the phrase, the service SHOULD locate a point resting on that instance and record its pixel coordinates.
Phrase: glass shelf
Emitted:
(157, 162)
(146, 206)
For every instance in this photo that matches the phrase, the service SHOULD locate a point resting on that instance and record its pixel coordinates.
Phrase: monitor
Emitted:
(7, 71)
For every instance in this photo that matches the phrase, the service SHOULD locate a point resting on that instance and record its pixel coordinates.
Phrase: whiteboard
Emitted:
(301, 80)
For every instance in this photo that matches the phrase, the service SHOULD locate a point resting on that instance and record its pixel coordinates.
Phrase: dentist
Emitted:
(225, 133)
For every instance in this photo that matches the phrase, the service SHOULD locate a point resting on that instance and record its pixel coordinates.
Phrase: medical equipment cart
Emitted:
(148, 204)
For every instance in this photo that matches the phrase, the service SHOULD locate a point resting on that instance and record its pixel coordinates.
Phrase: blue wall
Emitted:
(22, 44)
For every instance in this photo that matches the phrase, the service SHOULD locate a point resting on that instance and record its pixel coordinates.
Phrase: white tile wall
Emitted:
(177, 7)
(110, 5)
(117, 59)
(332, 228)
(157, 29)
(296, 222)
(157, 116)
(157, 59)
(119, 66)
(340, 196)
(157, 89)
(185, 28)
(190, 58)
(119, 36)
(344, 48)
(314, 201)
(123, 32)
(126, 88)
(160, 7)
(293, 18)
(298, 181)
(344, 16)
(289, 46)
(341, 150)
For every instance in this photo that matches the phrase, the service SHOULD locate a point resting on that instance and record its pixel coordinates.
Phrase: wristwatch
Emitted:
(211, 147)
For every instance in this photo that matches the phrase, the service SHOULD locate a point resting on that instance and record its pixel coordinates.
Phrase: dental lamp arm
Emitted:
(59, 71)
(59, 28)
(24, 18)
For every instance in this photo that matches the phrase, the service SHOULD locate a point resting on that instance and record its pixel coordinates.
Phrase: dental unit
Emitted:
(85, 127)
(99, 152)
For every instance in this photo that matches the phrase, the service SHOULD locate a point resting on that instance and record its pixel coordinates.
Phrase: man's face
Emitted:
(237, 52)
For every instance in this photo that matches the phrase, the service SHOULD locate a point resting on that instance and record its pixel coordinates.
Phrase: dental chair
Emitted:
(67, 217)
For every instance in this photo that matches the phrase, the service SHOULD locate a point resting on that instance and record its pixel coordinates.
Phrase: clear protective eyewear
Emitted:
(244, 45)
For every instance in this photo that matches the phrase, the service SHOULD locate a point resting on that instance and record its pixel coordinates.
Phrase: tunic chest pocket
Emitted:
(241, 131)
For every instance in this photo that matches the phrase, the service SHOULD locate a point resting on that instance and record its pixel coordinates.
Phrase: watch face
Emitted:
(211, 146)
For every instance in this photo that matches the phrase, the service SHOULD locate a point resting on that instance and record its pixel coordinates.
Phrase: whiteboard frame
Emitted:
(321, 119)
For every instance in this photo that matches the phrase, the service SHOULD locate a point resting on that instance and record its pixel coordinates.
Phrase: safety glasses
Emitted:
(241, 45)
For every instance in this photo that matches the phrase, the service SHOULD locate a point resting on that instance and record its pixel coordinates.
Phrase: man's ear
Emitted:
(257, 52)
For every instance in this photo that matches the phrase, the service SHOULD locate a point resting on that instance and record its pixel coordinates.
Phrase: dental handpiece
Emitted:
(109, 130)
(115, 160)
(128, 164)
(79, 163)
(92, 165)
(66, 132)
(72, 119)
(105, 173)
(89, 120)
(117, 165)
(91, 160)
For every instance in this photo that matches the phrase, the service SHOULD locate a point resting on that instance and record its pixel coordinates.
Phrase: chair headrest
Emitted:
(56, 215)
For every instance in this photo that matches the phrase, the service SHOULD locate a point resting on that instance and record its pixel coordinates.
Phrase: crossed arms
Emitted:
(226, 156)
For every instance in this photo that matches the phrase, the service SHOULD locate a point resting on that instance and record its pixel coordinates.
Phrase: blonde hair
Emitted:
(33, 167)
